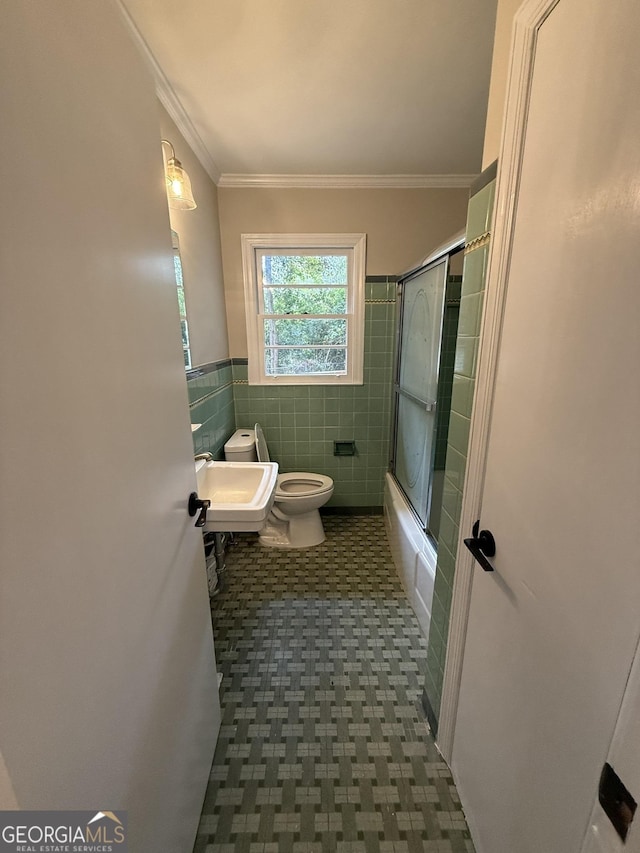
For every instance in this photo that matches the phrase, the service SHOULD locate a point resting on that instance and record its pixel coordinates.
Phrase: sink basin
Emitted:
(241, 494)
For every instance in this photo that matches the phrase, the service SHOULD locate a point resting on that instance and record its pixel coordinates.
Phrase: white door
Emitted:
(108, 691)
(553, 630)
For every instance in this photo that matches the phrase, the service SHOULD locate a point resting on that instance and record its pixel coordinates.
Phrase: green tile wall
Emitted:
(302, 422)
(211, 404)
(479, 217)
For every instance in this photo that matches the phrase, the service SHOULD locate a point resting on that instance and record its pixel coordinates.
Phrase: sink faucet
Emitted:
(206, 455)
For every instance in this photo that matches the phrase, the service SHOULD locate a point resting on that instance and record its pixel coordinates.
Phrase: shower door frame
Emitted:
(444, 253)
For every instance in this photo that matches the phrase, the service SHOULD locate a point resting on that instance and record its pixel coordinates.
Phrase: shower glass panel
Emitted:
(417, 383)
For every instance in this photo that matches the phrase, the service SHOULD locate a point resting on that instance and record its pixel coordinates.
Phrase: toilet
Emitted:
(294, 521)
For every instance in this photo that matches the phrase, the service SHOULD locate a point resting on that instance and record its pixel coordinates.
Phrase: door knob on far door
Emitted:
(482, 545)
(195, 504)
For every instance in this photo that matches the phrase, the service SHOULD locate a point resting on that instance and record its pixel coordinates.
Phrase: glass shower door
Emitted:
(417, 383)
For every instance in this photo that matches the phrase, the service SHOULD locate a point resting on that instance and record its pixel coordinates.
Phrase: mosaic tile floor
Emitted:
(323, 745)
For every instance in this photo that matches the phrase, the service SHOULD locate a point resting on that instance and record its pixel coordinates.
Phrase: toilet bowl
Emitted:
(294, 521)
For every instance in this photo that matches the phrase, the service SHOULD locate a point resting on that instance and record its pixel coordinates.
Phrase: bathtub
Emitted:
(413, 554)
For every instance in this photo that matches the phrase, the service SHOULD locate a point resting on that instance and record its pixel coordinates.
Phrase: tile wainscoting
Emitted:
(210, 391)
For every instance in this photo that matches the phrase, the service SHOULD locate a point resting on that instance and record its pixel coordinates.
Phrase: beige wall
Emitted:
(402, 227)
(499, 72)
(199, 234)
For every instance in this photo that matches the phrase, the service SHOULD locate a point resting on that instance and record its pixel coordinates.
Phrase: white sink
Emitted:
(241, 493)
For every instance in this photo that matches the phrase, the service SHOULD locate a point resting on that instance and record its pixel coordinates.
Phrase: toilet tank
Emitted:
(241, 447)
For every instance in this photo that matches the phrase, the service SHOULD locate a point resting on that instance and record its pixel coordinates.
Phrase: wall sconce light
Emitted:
(178, 184)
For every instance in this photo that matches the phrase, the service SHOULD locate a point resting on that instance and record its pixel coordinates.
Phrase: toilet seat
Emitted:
(300, 484)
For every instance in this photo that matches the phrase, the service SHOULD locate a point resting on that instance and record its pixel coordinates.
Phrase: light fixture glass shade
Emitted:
(178, 186)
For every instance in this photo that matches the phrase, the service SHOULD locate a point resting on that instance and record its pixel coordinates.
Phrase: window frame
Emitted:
(354, 245)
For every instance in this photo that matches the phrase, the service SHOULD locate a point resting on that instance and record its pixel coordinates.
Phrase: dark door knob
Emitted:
(482, 545)
(195, 504)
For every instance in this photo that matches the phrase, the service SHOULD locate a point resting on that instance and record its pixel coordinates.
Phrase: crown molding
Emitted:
(348, 181)
(170, 100)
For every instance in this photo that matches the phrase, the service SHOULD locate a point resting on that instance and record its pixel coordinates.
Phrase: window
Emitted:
(304, 296)
(182, 306)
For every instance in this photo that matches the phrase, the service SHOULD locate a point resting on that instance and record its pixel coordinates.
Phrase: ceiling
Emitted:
(324, 87)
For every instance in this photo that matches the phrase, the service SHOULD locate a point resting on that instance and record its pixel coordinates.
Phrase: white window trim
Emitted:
(251, 243)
